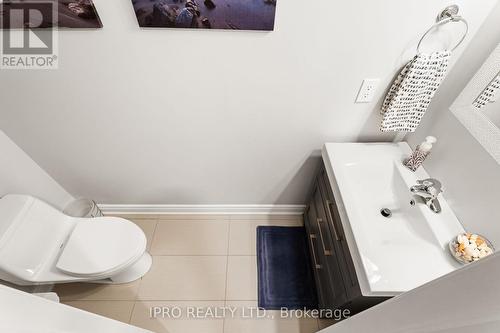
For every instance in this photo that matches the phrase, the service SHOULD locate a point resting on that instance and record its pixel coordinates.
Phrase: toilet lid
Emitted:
(100, 245)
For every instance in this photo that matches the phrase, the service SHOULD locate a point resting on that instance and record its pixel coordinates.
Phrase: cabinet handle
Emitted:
(316, 265)
(327, 252)
(334, 226)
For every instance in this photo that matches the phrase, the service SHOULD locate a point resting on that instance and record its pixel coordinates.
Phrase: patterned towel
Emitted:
(412, 91)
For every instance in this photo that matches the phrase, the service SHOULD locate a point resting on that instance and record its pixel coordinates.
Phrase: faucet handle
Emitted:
(429, 182)
(429, 189)
(433, 186)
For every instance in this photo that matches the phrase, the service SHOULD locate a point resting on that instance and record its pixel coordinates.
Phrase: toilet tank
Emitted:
(31, 234)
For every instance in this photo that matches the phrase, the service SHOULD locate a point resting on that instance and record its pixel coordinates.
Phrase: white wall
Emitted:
(463, 301)
(469, 173)
(20, 174)
(204, 117)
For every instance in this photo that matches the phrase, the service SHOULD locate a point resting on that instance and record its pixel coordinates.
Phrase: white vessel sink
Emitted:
(391, 255)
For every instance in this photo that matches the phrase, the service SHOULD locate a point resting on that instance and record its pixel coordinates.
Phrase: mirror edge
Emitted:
(478, 124)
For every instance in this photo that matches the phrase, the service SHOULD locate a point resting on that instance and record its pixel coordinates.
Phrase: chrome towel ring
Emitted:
(448, 15)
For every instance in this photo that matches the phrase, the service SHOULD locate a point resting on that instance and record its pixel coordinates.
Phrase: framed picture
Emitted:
(206, 14)
(18, 14)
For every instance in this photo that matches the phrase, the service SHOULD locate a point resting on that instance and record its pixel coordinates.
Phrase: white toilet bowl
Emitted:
(41, 245)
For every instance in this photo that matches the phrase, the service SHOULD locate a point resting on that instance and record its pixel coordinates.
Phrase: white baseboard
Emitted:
(203, 209)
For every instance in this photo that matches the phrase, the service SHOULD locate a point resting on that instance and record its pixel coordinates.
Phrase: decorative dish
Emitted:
(469, 247)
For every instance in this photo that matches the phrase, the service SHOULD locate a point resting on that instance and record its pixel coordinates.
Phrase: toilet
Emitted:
(41, 245)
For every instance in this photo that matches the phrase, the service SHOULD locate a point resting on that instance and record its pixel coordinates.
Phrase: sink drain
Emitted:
(386, 212)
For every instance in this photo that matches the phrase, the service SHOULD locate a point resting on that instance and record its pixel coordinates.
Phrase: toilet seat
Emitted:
(101, 247)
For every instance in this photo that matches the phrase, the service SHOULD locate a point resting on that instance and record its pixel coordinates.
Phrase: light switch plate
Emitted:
(367, 91)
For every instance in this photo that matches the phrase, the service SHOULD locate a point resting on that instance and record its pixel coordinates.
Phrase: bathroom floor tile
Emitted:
(324, 323)
(117, 310)
(97, 292)
(243, 233)
(185, 278)
(148, 226)
(246, 322)
(141, 317)
(191, 237)
(241, 278)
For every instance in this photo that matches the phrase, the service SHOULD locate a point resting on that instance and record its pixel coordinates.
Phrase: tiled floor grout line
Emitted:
(136, 298)
(173, 300)
(154, 230)
(202, 255)
(95, 300)
(227, 268)
(153, 236)
(132, 312)
(188, 255)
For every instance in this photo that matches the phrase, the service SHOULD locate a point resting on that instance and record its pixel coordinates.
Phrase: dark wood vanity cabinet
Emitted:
(336, 281)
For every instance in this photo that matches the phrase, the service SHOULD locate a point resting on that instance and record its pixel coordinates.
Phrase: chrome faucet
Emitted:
(429, 189)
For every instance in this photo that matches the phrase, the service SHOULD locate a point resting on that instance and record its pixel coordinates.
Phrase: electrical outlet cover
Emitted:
(367, 91)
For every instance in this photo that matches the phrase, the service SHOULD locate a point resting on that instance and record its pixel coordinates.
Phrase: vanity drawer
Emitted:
(323, 285)
(335, 224)
(325, 257)
(329, 251)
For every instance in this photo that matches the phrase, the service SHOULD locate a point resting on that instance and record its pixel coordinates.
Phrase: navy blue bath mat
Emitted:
(284, 269)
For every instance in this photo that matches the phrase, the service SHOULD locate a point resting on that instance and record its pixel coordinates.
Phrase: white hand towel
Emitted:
(412, 91)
